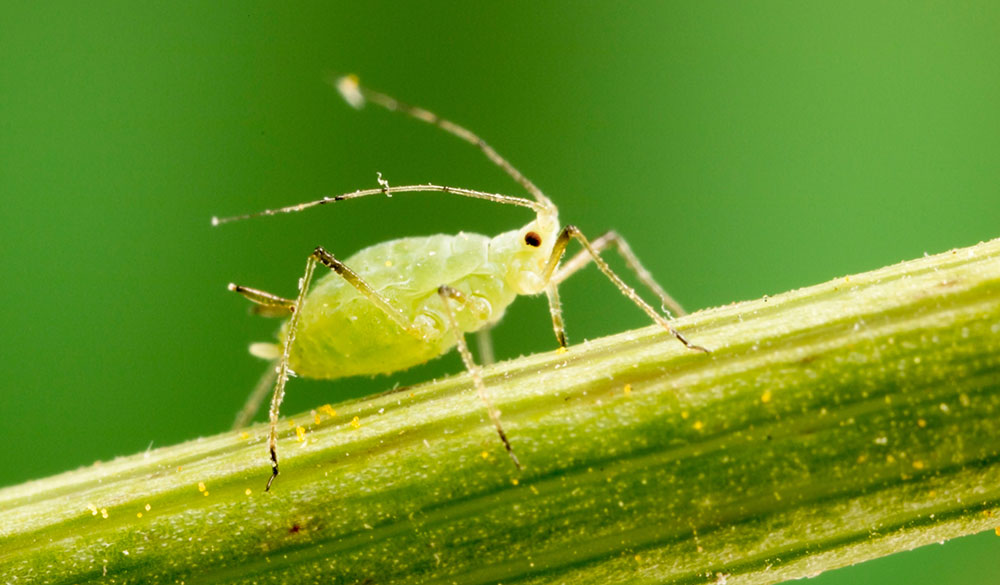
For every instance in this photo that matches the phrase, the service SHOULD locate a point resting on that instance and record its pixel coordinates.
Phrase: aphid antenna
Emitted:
(356, 94)
(539, 208)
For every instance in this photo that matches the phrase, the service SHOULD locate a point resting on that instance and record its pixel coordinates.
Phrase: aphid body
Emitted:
(403, 302)
(342, 333)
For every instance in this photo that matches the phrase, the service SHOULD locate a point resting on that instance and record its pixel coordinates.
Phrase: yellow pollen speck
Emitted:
(862, 458)
(138, 514)
(627, 389)
(685, 414)
(485, 455)
(300, 434)
(561, 350)
(201, 486)
(148, 507)
(356, 422)
(204, 493)
(997, 530)
(638, 558)
(244, 435)
(766, 396)
(921, 423)
(104, 512)
(698, 425)
(514, 481)
(890, 459)
(93, 509)
(918, 465)
(534, 490)
(291, 424)
(328, 410)
(388, 263)
(316, 418)
(248, 492)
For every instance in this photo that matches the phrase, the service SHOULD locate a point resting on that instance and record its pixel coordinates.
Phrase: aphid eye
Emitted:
(533, 239)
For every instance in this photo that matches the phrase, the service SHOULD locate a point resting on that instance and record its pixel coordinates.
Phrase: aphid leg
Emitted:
(265, 303)
(612, 238)
(448, 295)
(572, 232)
(252, 405)
(355, 280)
(555, 308)
(321, 256)
(282, 369)
(484, 343)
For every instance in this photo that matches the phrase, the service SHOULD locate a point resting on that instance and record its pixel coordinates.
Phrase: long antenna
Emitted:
(388, 191)
(355, 94)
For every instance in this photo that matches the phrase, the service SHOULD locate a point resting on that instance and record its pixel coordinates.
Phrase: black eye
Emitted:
(533, 239)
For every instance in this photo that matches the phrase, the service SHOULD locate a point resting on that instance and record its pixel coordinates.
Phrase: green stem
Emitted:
(828, 426)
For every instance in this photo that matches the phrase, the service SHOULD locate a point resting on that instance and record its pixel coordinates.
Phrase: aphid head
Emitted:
(525, 253)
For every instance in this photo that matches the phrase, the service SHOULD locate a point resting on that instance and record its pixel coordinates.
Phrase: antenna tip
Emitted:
(350, 89)
(215, 221)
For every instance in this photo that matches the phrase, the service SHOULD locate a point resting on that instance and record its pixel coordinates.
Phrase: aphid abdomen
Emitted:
(357, 340)
(342, 333)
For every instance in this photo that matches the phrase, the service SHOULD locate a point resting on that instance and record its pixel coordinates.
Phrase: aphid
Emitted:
(400, 303)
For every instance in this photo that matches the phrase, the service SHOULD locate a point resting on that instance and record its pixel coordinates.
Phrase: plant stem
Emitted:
(828, 426)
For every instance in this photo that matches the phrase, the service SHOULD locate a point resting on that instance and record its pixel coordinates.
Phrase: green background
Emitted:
(742, 148)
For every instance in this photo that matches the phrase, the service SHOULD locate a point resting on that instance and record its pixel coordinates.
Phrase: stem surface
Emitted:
(828, 425)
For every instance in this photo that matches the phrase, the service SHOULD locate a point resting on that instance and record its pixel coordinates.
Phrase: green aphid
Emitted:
(401, 303)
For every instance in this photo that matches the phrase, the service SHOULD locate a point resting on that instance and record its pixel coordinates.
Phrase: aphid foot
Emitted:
(687, 343)
(274, 470)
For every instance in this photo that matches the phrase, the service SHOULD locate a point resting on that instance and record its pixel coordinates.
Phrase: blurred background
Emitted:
(743, 149)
